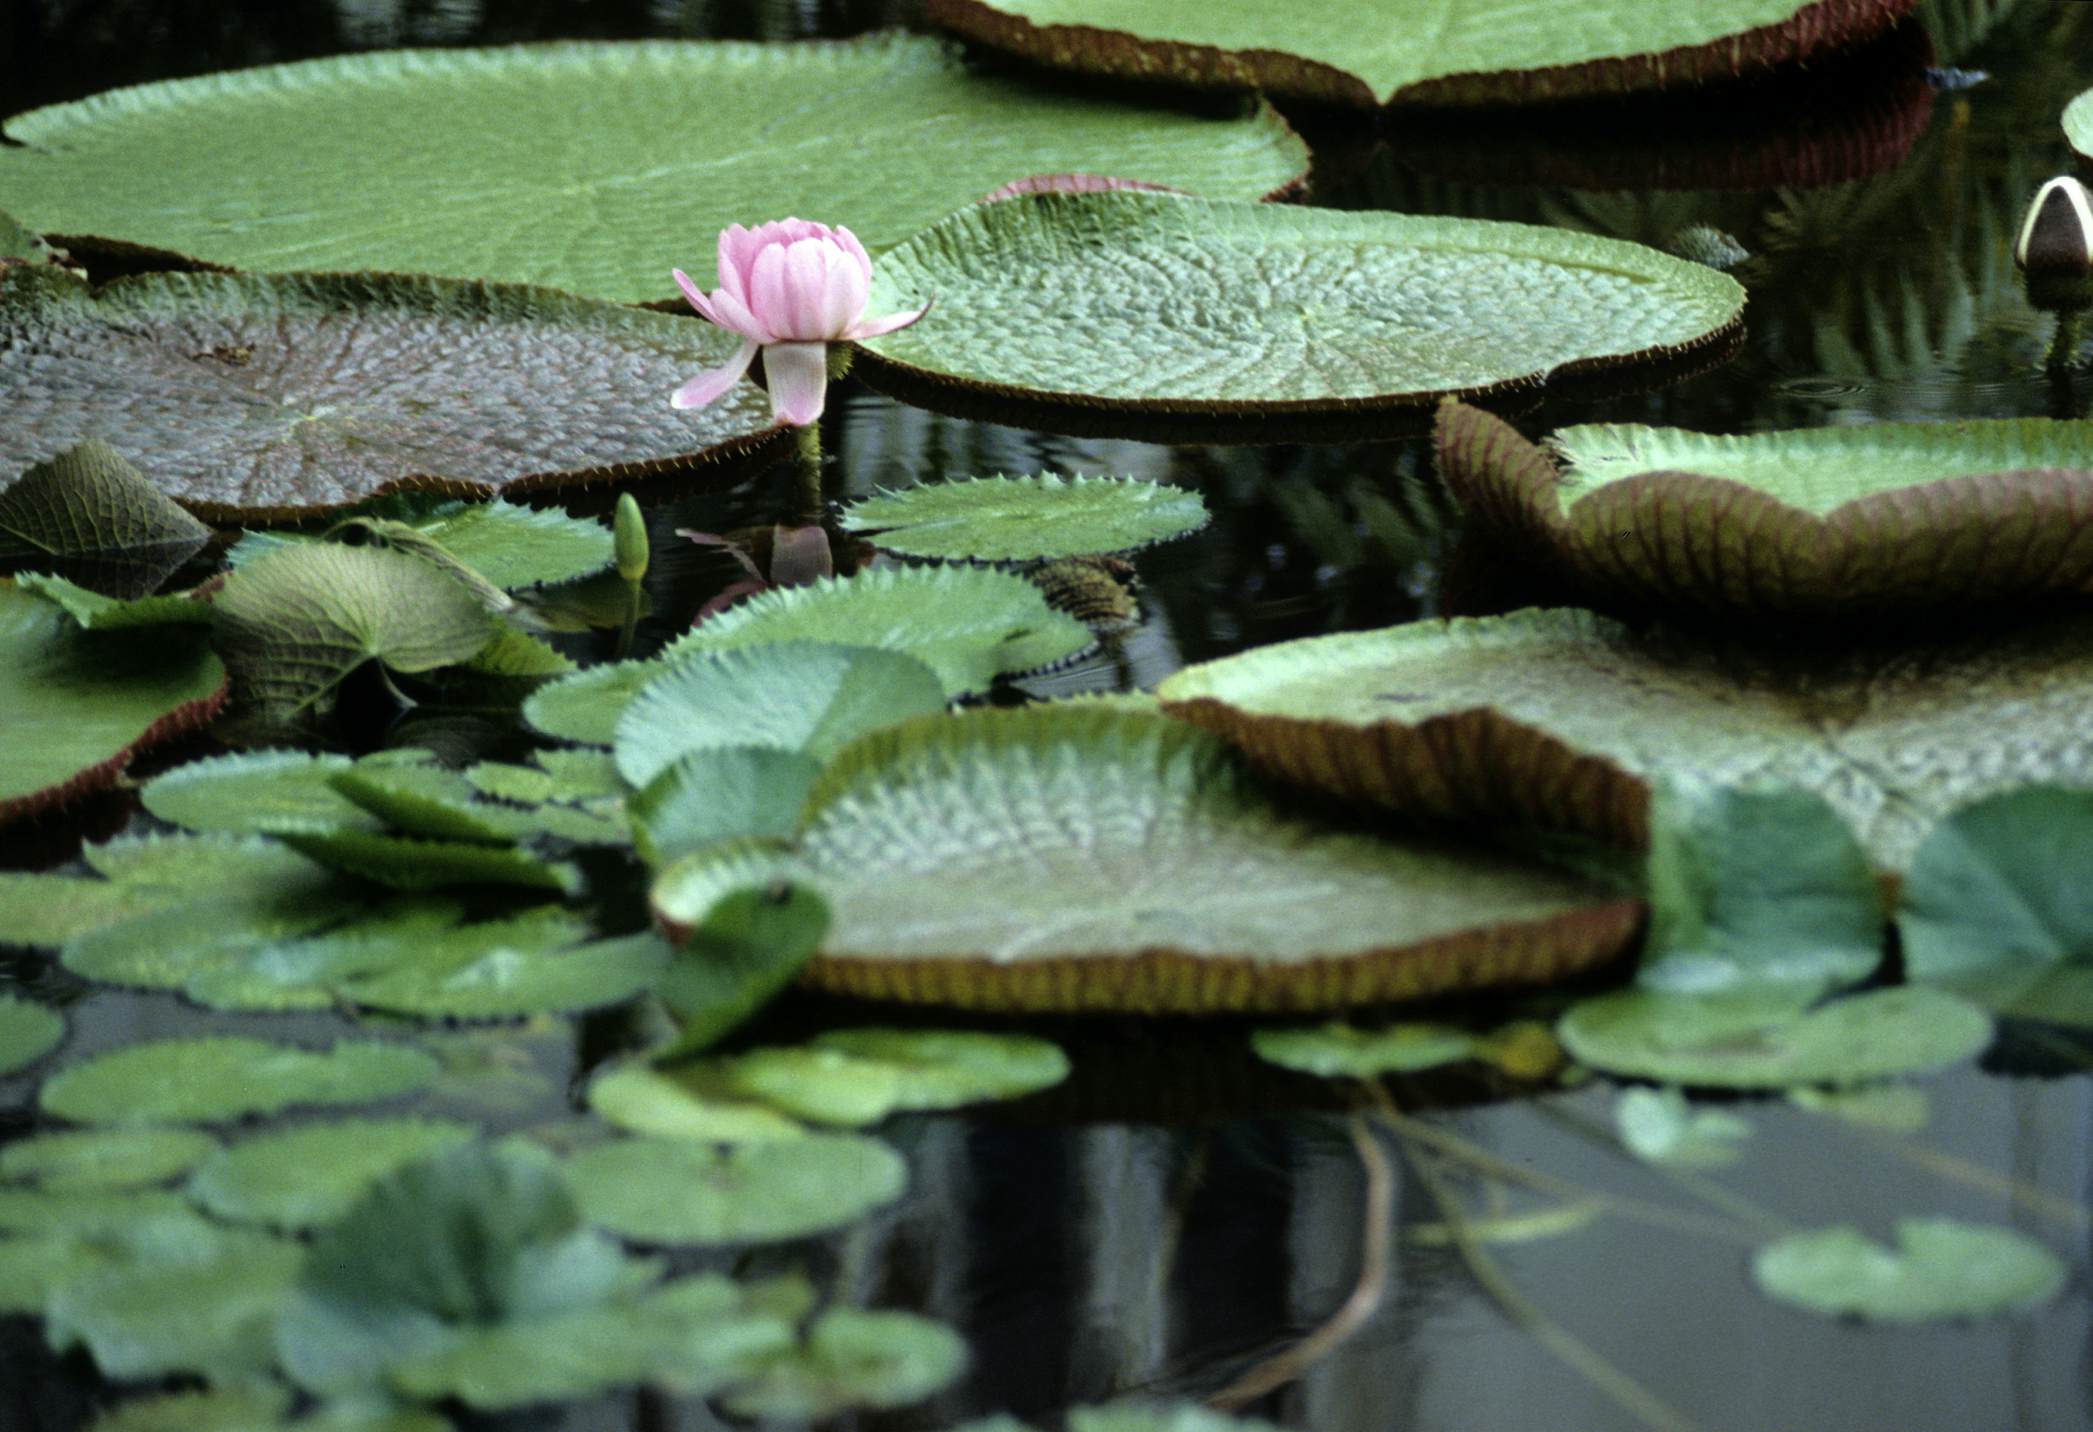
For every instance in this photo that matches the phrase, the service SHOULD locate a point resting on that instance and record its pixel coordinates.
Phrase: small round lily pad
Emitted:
(860, 1076)
(677, 1191)
(104, 1158)
(313, 1173)
(1940, 1269)
(214, 1079)
(1165, 315)
(28, 1031)
(1820, 523)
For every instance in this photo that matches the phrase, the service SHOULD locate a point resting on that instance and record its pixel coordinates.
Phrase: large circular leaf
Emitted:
(588, 167)
(2078, 125)
(1083, 858)
(254, 397)
(1564, 719)
(76, 706)
(1820, 522)
(1421, 51)
(1131, 308)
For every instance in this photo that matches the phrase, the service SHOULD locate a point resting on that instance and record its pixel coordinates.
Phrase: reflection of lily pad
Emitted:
(1084, 858)
(208, 1080)
(1025, 519)
(1562, 719)
(76, 706)
(1416, 52)
(1882, 516)
(1268, 320)
(104, 1158)
(28, 1031)
(263, 397)
(1759, 1041)
(330, 165)
(313, 1173)
(676, 1191)
(1940, 1269)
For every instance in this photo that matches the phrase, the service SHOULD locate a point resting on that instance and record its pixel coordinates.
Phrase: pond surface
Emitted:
(1175, 1216)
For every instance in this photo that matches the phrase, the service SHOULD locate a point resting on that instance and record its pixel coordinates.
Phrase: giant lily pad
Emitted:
(1085, 858)
(1026, 519)
(1563, 719)
(76, 706)
(2078, 124)
(1821, 522)
(256, 397)
(453, 161)
(1151, 311)
(1418, 52)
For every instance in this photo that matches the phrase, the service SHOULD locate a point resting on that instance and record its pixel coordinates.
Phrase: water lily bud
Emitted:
(629, 540)
(2055, 248)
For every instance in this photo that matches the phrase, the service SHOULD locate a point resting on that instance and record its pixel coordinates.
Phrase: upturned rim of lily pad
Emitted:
(1670, 539)
(1368, 417)
(1814, 29)
(721, 464)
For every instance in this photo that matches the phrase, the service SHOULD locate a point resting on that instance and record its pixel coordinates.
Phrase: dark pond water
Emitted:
(1174, 1217)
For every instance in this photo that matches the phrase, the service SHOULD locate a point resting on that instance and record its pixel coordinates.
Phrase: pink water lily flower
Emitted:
(790, 288)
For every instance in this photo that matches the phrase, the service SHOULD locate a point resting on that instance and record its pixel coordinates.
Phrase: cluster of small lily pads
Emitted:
(807, 786)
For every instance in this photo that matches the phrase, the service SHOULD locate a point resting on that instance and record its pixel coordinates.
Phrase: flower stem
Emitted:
(811, 497)
(2063, 346)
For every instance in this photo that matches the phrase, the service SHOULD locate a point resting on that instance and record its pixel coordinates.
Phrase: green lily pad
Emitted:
(1414, 52)
(260, 1408)
(96, 612)
(89, 514)
(862, 1076)
(1755, 889)
(1161, 1417)
(255, 792)
(2078, 124)
(324, 164)
(1086, 858)
(968, 625)
(1264, 320)
(40, 910)
(1341, 1051)
(28, 1031)
(677, 1191)
(201, 1304)
(1659, 1126)
(177, 943)
(401, 862)
(1822, 522)
(78, 705)
(104, 1158)
(750, 945)
(39, 1260)
(1940, 1269)
(853, 1358)
(586, 706)
(794, 696)
(722, 793)
(693, 1102)
(1562, 719)
(1996, 894)
(1026, 519)
(478, 972)
(251, 397)
(1899, 1108)
(212, 1080)
(314, 1173)
(504, 543)
(87, 1212)
(1773, 1041)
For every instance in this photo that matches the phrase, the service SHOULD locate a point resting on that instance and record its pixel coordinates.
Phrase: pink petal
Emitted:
(696, 296)
(737, 252)
(798, 377)
(873, 327)
(856, 250)
(806, 282)
(844, 293)
(768, 303)
(708, 385)
(733, 315)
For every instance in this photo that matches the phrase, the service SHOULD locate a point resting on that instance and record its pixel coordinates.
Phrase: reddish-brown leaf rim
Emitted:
(189, 717)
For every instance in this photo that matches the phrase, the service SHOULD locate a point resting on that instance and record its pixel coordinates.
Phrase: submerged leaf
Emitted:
(1940, 1269)
(215, 1079)
(1026, 519)
(89, 514)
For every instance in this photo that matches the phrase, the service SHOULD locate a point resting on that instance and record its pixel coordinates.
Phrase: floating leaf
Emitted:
(38, 910)
(1940, 1269)
(968, 625)
(676, 1191)
(476, 973)
(1086, 858)
(891, 131)
(1563, 719)
(96, 612)
(314, 1173)
(1660, 1126)
(1755, 889)
(256, 792)
(2078, 124)
(693, 1102)
(1898, 1108)
(794, 696)
(861, 1076)
(90, 514)
(1025, 519)
(1412, 52)
(77, 706)
(1996, 896)
(1270, 321)
(203, 1304)
(586, 706)
(83, 1211)
(28, 1031)
(1771, 1041)
(258, 1408)
(1340, 1051)
(252, 397)
(505, 543)
(1828, 521)
(401, 862)
(55, 1251)
(190, 937)
(211, 1080)
(104, 1158)
(853, 1358)
(722, 793)
(750, 945)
